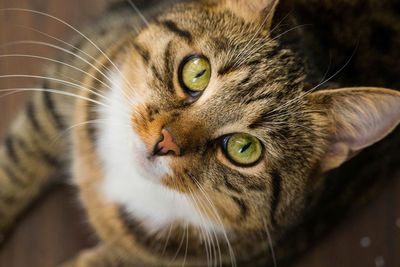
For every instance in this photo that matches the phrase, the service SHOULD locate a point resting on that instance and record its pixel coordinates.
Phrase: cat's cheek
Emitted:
(178, 183)
(182, 174)
(231, 211)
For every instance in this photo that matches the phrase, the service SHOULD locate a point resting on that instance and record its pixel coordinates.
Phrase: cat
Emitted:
(198, 134)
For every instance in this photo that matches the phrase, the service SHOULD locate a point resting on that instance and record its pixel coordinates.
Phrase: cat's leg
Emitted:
(101, 256)
(31, 151)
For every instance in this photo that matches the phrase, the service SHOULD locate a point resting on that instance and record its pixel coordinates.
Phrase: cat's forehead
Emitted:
(250, 72)
(196, 22)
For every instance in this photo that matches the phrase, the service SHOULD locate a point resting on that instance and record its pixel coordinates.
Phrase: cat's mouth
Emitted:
(150, 167)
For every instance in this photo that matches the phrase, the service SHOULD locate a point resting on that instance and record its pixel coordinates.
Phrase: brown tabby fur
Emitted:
(282, 197)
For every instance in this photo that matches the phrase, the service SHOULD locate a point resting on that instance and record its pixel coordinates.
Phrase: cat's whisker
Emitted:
(271, 245)
(254, 36)
(55, 61)
(187, 245)
(140, 14)
(62, 50)
(258, 44)
(213, 235)
(290, 30)
(205, 235)
(60, 135)
(178, 249)
(97, 121)
(257, 47)
(304, 94)
(290, 102)
(12, 91)
(75, 48)
(68, 78)
(180, 178)
(327, 70)
(250, 52)
(204, 208)
(167, 240)
(337, 72)
(73, 85)
(66, 51)
(75, 30)
(280, 22)
(232, 255)
(95, 60)
(185, 232)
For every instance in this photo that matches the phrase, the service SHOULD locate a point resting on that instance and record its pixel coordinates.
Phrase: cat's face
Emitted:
(219, 115)
(218, 84)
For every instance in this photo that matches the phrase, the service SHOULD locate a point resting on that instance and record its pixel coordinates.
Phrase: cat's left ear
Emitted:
(357, 118)
(254, 10)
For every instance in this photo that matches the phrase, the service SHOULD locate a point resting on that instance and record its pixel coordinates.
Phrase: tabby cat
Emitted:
(200, 133)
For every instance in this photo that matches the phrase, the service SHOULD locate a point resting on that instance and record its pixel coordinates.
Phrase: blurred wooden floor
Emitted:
(55, 229)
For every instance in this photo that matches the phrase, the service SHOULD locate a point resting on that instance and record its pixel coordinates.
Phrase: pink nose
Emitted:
(166, 145)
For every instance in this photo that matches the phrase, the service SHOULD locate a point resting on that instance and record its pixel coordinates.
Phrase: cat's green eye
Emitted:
(195, 74)
(242, 149)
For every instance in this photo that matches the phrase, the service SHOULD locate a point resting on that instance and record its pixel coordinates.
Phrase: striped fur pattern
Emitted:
(195, 209)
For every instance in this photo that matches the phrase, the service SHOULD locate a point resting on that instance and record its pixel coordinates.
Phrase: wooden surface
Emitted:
(55, 229)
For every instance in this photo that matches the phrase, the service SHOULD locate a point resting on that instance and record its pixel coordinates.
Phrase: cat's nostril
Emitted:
(166, 145)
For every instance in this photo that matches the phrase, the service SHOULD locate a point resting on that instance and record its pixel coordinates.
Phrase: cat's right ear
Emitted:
(357, 118)
(254, 10)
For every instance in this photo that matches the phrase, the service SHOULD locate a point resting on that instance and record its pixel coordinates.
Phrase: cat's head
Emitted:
(218, 114)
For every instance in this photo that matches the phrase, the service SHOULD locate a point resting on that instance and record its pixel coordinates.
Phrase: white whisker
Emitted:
(253, 37)
(232, 255)
(187, 245)
(304, 94)
(291, 29)
(55, 91)
(167, 240)
(73, 85)
(142, 17)
(75, 30)
(58, 62)
(69, 45)
(271, 245)
(60, 49)
(205, 235)
(179, 248)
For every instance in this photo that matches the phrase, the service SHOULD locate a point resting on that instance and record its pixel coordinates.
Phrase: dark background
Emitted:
(55, 228)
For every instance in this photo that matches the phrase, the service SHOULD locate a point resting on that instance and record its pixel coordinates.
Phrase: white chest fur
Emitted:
(133, 181)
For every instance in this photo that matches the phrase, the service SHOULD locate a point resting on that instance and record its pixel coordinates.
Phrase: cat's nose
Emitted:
(166, 145)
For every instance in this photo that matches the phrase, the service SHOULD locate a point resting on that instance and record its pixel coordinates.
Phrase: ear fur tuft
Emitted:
(254, 10)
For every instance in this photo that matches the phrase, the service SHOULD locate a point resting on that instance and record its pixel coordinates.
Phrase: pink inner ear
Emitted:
(360, 117)
(365, 118)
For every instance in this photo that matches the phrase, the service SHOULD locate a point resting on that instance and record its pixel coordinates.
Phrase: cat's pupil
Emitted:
(201, 73)
(245, 147)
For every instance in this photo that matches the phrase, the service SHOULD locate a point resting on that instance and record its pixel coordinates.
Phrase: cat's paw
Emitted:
(84, 259)
(100, 256)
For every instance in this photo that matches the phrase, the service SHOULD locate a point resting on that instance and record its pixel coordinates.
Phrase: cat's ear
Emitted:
(255, 10)
(358, 118)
